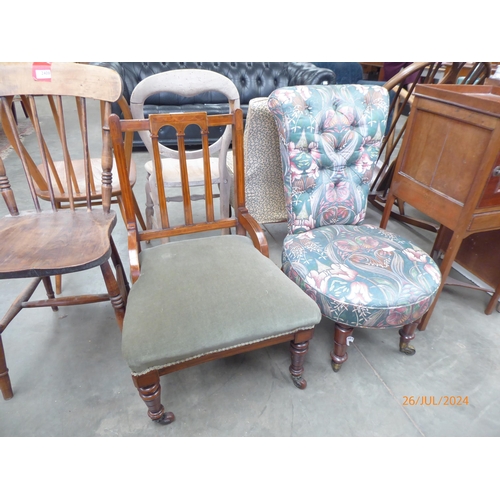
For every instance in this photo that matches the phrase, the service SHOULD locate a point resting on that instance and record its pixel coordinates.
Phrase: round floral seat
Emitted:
(362, 276)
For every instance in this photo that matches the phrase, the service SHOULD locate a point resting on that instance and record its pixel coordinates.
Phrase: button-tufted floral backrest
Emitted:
(330, 137)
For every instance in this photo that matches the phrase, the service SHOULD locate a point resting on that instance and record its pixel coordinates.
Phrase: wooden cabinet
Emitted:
(449, 166)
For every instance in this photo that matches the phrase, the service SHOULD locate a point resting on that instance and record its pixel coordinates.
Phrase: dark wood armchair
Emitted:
(203, 295)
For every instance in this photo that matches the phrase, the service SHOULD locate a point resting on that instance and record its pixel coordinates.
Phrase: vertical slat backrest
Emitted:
(401, 87)
(66, 83)
(402, 94)
(464, 73)
(179, 122)
(169, 227)
(10, 126)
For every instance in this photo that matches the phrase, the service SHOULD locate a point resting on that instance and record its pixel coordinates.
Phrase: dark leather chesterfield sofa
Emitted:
(253, 79)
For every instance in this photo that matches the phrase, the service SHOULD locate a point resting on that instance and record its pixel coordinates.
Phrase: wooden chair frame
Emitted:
(148, 384)
(46, 242)
(75, 166)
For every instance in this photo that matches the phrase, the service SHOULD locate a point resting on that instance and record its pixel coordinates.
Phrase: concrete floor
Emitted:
(69, 378)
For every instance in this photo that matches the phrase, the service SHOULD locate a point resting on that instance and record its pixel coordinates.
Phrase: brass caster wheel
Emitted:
(167, 418)
(336, 366)
(299, 382)
(407, 349)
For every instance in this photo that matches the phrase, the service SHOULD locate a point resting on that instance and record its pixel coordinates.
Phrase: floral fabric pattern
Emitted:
(362, 276)
(330, 140)
(359, 275)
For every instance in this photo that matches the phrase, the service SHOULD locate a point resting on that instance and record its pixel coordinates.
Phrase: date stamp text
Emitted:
(435, 400)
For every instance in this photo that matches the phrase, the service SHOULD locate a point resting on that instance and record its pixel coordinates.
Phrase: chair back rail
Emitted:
(69, 79)
(241, 221)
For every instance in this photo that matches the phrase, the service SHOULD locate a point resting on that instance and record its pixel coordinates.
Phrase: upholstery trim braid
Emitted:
(159, 367)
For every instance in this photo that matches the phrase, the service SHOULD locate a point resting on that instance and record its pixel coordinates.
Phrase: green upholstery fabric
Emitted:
(210, 294)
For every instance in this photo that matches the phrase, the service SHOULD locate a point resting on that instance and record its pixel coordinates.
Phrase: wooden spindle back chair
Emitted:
(195, 299)
(66, 161)
(44, 240)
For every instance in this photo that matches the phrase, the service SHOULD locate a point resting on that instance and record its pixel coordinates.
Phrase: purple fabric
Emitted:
(393, 68)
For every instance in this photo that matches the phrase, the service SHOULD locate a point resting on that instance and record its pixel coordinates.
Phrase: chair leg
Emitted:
(407, 333)
(343, 335)
(149, 389)
(5, 385)
(298, 352)
(493, 301)
(58, 284)
(445, 268)
(49, 290)
(12, 312)
(115, 296)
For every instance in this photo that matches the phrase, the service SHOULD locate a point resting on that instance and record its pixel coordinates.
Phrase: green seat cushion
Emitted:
(208, 294)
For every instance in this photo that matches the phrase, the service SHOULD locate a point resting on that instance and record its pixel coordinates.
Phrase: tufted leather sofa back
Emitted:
(253, 79)
(330, 138)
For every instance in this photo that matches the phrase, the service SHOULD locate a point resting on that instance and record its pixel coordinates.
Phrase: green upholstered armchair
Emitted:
(197, 299)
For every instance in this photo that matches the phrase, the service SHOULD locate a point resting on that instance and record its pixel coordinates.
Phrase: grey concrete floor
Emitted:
(69, 378)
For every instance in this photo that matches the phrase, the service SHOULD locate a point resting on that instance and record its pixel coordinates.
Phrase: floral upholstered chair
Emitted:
(359, 275)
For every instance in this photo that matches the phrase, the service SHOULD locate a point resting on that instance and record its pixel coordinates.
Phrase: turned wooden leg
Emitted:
(114, 293)
(58, 284)
(5, 385)
(298, 352)
(342, 338)
(150, 391)
(49, 290)
(407, 333)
